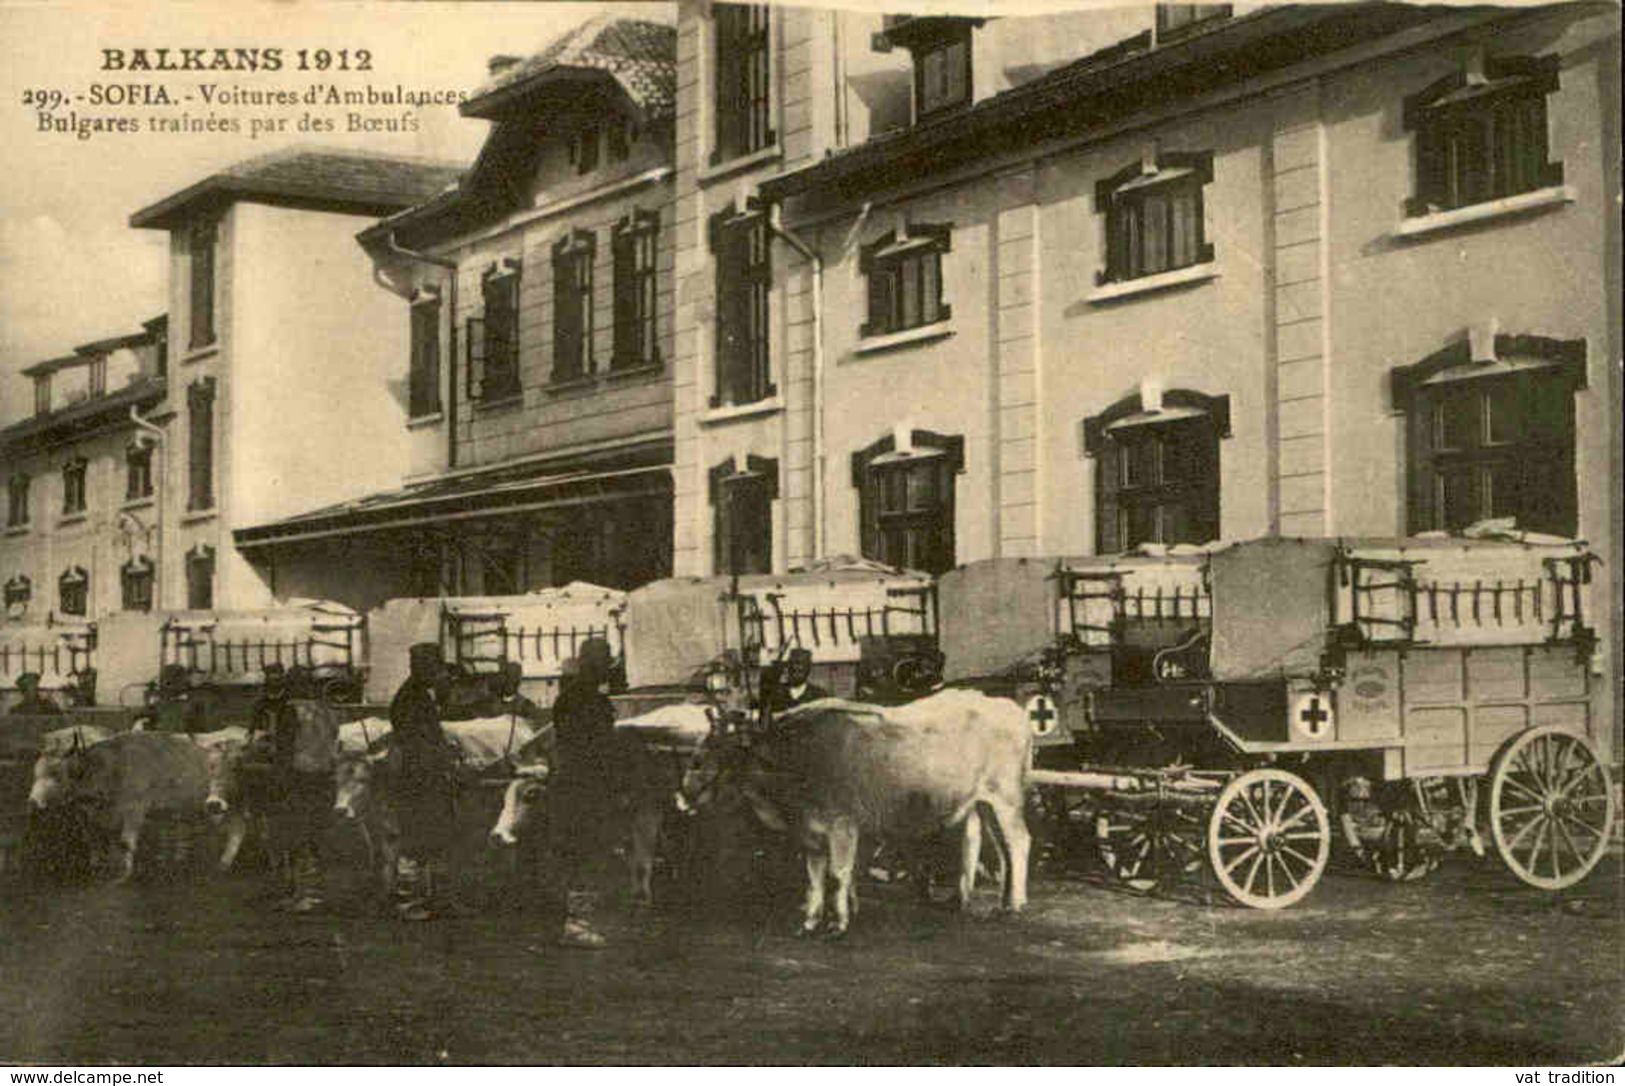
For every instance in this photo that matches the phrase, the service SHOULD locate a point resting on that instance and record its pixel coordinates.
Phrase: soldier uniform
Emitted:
(423, 785)
(299, 799)
(32, 702)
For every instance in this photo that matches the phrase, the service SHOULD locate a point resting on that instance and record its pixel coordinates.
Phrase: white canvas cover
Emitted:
(830, 611)
(50, 650)
(541, 630)
(1270, 608)
(235, 646)
(676, 627)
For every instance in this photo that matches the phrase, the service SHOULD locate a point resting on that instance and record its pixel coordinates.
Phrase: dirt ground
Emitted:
(1467, 967)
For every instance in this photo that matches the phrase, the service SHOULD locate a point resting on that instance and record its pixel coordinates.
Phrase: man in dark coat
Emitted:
(795, 686)
(423, 780)
(299, 800)
(32, 702)
(176, 709)
(580, 792)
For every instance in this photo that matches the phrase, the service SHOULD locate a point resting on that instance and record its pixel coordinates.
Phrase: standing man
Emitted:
(423, 784)
(32, 702)
(299, 792)
(581, 792)
(176, 709)
(514, 705)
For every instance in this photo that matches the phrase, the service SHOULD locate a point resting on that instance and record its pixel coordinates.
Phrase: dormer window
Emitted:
(584, 149)
(42, 394)
(98, 377)
(1174, 21)
(1154, 215)
(1481, 134)
(617, 139)
(942, 71)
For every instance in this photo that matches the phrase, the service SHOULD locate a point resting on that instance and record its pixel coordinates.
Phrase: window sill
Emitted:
(925, 333)
(1147, 284)
(498, 403)
(132, 504)
(733, 412)
(198, 354)
(570, 384)
(421, 422)
(198, 516)
(629, 373)
(771, 153)
(17, 529)
(69, 519)
(1492, 209)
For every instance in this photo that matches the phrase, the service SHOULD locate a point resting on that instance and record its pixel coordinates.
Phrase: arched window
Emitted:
(19, 590)
(905, 486)
(136, 579)
(1157, 469)
(200, 578)
(73, 591)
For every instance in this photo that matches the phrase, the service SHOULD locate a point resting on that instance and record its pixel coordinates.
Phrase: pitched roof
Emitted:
(639, 54)
(309, 176)
(87, 415)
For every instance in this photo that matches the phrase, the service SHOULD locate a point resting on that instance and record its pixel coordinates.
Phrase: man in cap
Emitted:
(581, 789)
(795, 686)
(31, 702)
(423, 783)
(299, 801)
(175, 709)
(513, 704)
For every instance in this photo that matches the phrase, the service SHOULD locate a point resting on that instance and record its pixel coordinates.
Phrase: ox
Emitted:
(239, 772)
(654, 749)
(830, 769)
(362, 799)
(125, 778)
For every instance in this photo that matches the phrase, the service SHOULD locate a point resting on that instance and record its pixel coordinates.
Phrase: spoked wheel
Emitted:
(1268, 838)
(1551, 807)
(1143, 848)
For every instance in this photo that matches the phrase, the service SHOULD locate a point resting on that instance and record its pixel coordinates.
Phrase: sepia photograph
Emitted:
(1035, 533)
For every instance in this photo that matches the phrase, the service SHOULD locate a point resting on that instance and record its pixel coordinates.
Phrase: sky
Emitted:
(71, 269)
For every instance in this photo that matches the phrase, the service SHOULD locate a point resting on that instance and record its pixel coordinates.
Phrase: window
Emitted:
(1176, 20)
(1157, 470)
(1481, 134)
(584, 149)
(200, 249)
(200, 444)
(98, 377)
(636, 241)
(73, 591)
(617, 139)
(42, 394)
(942, 71)
(906, 500)
(423, 380)
(905, 279)
(493, 340)
(73, 487)
(1483, 445)
(1154, 216)
(136, 580)
(742, 505)
(744, 281)
(17, 502)
(19, 590)
(572, 305)
(200, 578)
(743, 79)
(137, 472)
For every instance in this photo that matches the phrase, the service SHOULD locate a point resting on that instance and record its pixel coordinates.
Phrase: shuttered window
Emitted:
(1158, 483)
(942, 71)
(636, 252)
(1483, 135)
(744, 284)
(1155, 217)
(200, 253)
(572, 306)
(200, 444)
(905, 279)
(136, 584)
(495, 339)
(743, 72)
(906, 500)
(423, 379)
(1176, 20)
(742, 510)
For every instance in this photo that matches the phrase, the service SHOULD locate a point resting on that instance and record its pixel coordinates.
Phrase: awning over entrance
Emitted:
(497, 493)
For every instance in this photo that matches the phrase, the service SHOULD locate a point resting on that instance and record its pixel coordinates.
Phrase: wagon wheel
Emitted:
(1144, 848)
(1551, 807)
(1268, 838)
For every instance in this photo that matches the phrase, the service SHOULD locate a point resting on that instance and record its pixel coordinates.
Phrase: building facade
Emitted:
(276, 401)
(1297, 271)
(81, 537)
(538, 295)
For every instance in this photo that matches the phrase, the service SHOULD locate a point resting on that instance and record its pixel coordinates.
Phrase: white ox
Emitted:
(830, 769)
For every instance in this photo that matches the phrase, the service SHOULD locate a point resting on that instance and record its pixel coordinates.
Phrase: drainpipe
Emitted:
(451, 340)
(776, 224)
(158, 442)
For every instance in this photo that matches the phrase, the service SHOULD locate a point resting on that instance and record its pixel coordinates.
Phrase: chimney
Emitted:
(501, 62)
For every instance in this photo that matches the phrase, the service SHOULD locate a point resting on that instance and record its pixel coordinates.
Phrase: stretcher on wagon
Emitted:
(1239, 709)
